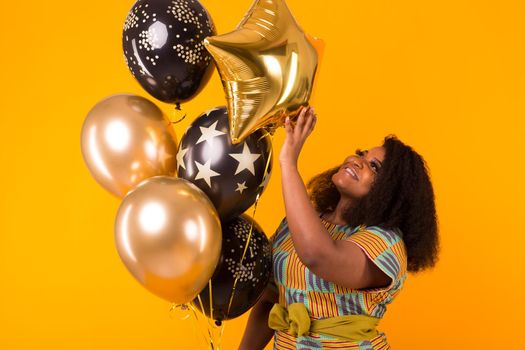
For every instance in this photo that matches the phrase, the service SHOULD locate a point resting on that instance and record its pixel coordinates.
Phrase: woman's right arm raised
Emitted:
(257, 333)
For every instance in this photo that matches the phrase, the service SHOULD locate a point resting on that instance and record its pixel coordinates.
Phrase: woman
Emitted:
(342, 253)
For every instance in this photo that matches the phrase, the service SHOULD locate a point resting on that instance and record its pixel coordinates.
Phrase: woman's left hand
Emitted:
(296, 136)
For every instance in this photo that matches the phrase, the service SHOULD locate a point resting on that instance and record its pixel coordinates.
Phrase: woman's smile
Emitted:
(350, 171)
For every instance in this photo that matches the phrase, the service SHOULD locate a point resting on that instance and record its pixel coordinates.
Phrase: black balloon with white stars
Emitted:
(231, 175)
(164, 50)
(252, 275)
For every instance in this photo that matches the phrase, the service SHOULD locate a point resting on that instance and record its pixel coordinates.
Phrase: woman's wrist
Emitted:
(288, 165)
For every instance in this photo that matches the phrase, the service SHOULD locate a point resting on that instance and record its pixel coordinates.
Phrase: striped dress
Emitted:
(322, 298)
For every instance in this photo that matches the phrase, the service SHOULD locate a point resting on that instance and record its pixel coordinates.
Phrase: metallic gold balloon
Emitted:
(267, 66)
(168, 234)
(126, 139)
(319, 46)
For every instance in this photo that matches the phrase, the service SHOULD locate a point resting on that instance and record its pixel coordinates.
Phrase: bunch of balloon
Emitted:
(267, 66)
(180, 229)
(233, 176)
(167, 231)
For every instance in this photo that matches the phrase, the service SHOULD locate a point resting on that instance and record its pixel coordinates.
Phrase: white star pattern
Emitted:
(241, 187)
(209, 133)
(245, 159)
(205, 172)
(180, 158)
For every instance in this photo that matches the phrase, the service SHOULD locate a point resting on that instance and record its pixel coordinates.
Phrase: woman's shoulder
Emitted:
(280, 232)
(385, 248)
(392, 235)
(383, 240)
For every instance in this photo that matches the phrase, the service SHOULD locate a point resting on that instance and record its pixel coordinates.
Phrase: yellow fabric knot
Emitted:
(296, 321)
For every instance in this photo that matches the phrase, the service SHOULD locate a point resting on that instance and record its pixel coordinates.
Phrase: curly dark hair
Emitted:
(401, 197)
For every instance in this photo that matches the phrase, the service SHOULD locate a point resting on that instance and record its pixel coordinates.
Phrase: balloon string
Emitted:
(183, 307)
(177, 108)
(237, 275)
(210, 342)
(211, 298)
(207, 320)
(219, 323)
(220, 336)
(250, 233)
(195, 320)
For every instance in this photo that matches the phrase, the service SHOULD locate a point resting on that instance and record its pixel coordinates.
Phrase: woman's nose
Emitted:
(358, 162)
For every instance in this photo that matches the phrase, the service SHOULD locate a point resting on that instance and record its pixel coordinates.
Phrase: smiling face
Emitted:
(358, 172)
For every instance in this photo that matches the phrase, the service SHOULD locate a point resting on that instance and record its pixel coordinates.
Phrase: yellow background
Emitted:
(446, 77)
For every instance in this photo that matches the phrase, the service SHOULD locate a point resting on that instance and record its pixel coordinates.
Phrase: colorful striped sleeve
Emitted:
(385, 248)
(272, 284)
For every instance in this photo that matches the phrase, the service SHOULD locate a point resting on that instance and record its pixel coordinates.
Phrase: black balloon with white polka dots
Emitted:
(252, 273)
(163, 47)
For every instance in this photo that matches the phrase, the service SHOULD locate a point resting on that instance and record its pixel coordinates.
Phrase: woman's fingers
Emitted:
(288, 126)
(303, 112)
(304, 125)
(310, 122)
(301, 119)
(315, 122)
(307, 126)
(314, 117)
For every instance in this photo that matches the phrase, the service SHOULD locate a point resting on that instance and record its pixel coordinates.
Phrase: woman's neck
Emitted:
(337, 216)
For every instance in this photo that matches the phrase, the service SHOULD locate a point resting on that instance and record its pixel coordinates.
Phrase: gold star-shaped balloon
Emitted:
(267, 67)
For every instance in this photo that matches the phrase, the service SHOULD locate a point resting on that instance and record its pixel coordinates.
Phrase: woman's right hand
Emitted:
(296, 136)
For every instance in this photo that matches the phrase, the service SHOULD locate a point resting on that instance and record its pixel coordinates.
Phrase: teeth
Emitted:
(352, 172)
